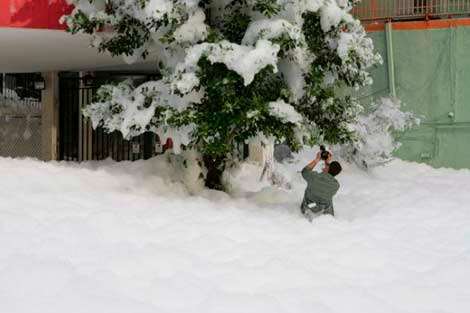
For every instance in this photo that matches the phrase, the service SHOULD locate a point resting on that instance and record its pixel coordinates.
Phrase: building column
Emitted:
(50, 117)
(390, 58)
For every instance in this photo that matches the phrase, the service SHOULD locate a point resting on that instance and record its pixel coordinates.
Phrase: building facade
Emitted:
(425, 45)
(47, 76)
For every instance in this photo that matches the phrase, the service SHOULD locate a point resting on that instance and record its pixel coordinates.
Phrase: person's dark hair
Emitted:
(334, 168)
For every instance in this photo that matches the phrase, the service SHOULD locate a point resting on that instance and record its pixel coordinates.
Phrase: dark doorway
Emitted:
(78, 141)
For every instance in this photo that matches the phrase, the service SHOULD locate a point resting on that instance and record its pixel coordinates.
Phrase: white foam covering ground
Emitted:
(126, 237)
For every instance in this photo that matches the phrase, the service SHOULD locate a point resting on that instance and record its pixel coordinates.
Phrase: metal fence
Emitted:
(20, 116)
(382, 10)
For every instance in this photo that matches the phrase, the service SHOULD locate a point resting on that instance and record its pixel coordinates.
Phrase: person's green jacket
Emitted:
(321, 187)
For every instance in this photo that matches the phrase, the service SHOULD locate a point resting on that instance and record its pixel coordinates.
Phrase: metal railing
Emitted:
(20, 116)
(78, 141)
(17, 91)
(383, 10)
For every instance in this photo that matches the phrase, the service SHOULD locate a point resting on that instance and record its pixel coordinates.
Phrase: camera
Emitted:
(323, 153)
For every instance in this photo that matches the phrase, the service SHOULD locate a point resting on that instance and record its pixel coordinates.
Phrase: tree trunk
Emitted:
(214, 172)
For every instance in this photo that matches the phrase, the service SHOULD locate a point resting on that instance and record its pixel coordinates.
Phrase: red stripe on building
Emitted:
(420, 25)
(44, 14)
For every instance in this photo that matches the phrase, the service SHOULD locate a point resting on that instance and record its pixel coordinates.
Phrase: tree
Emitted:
(375, 133)
(231, 71)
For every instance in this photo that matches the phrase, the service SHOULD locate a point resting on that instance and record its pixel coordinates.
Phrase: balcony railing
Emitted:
(383, 10)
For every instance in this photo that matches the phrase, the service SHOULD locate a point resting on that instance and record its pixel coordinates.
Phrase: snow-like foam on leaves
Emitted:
(284, 111)
(246, 61)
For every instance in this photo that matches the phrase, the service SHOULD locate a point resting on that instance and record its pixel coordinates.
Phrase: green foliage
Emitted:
(214, 36)
(234, 26)
(132, 35)
(231, 113)
(268, 8)
(322, 104)
(286, 43)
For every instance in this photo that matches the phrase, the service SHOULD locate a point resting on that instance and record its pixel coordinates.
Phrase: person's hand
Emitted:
(330, 158)
(318, 157)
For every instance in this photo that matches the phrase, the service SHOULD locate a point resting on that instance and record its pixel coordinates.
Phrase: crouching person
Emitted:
(321, 187)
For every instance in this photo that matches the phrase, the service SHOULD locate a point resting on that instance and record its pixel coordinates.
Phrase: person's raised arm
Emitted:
(307, 170)
(314, 163)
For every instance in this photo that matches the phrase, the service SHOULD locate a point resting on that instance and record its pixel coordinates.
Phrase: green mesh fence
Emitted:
(432, 78)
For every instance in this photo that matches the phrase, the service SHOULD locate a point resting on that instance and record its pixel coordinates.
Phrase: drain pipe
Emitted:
(390, 59)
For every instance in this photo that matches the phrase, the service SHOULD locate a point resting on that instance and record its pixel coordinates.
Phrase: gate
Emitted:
(20, 116)
(78, 141)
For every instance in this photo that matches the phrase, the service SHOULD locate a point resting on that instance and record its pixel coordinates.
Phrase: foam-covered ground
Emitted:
(108, 237)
